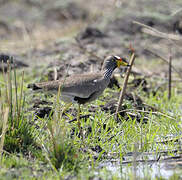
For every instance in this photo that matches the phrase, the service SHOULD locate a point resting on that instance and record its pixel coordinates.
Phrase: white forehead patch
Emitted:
(117, 57)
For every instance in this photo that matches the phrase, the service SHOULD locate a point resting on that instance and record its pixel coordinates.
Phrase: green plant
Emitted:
(62, 153)
(18, 135)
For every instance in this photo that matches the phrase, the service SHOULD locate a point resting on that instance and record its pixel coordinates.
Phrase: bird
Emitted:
(82, 88)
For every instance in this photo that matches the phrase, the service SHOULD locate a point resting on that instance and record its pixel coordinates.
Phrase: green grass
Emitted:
(51, 148)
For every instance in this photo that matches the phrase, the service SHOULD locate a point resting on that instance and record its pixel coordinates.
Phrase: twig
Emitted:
(176, 12)
(125, 84)
(157, 55)
(170, 37)
(137, 110)
(169, 76)
(81, 117)
(161, 158)
(112, 155)
(170, 140)
(155, 32)
(165, 60)
(151, 107)
(158, 113)
(153, 160)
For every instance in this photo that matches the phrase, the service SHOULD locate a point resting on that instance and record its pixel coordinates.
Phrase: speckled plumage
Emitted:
(81, 88)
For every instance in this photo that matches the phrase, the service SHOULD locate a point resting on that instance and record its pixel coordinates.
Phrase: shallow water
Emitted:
(150, 168)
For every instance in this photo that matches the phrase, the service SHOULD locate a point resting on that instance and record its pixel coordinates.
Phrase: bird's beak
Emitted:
(120, 62)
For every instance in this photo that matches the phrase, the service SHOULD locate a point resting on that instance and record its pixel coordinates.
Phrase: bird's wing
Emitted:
(82, 85)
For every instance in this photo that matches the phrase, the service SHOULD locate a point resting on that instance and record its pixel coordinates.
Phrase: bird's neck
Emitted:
(108, 73)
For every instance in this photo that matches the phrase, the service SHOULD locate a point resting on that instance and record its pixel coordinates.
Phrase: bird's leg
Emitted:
(78, 121)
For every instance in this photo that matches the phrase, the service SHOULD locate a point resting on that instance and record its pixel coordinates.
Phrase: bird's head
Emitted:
(112, 62)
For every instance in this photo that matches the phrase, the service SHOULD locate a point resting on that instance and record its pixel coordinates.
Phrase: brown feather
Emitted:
(81, 88)
(80, 85)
